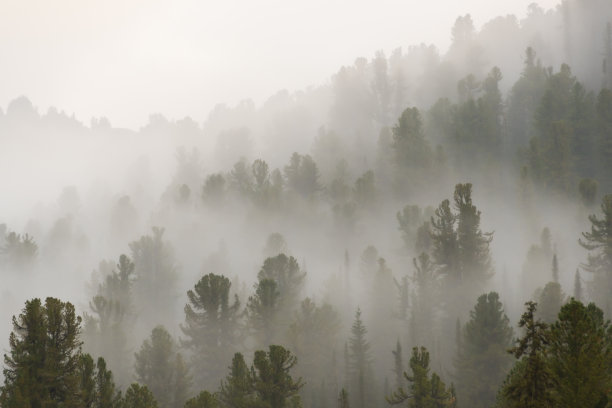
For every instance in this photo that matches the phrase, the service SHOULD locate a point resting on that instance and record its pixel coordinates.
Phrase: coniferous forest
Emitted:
(426, 229)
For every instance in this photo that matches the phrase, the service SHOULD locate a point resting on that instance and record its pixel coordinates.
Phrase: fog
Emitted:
(200, 139)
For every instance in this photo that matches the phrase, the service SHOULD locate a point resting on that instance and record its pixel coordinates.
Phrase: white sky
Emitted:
(125, 59)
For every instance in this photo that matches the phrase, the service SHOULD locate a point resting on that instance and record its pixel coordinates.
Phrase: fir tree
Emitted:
(236, 390)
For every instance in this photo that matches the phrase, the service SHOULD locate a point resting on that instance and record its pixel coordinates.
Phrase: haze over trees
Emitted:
(426, 229)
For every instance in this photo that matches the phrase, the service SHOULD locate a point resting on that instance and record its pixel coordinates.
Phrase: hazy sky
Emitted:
(125, 59)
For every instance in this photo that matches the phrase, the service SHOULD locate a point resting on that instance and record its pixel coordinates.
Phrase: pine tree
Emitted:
(473, 244)
(289, 278)
(398, 367)
(313, 338)
(211, 327)
(425, 391)
(272, 381)
(580, 356)
(42, 368)
(550, 300)
(555, 269)
(359, 362)
(262, 311)
(161, 369)
(156, 279)
(236, 390)
(578, 286)
(343, 399)
(482, 361)
(599, 244)
(203, 400)
(530, 384)
(138, 396)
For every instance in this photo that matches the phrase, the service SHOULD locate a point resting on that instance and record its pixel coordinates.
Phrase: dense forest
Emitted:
(426, 229)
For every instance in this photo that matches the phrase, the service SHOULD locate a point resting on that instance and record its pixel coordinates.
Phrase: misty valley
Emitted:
(425, 229)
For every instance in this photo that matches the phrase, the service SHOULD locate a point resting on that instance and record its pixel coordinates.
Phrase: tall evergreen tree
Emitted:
(272, 382)
(42, 369)
(599, 244)
(530, 383)
(161, 369)
(156, 278)
(138, 396)
(262, 311)
(359, 363)
(550, 300)
(482, 360)
(236, 391)
(425, 391)
(581, 356)
(211, 327)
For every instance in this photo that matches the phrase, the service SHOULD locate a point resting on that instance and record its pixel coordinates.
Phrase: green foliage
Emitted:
(580, 356)
(424, 391)
(359, 363)
(138, 396)
(203, 400)
(156, 272)
(19, 251)
(313, 336)
(236, 390)
(42, 368)
(302, 176)
(529, 384)
(262, 310)
(409, 144)
(482, 361)
(273, 384)
(211, 327)
(598, 242)
(550, 300)
(289, 278)
(162, 370)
